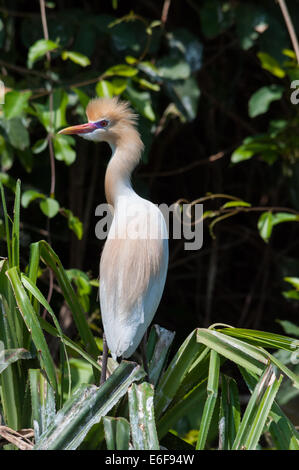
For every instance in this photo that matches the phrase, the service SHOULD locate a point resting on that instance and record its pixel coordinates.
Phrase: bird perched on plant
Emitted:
(134, 260)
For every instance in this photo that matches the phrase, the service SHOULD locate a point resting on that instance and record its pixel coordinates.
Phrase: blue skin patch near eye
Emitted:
(101, 124)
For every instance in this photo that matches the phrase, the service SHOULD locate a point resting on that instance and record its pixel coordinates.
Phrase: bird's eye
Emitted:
(104, 123)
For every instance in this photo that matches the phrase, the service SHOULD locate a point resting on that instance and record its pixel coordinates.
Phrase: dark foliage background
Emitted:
(194, 114)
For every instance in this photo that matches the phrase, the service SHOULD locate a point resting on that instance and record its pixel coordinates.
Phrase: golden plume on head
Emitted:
(112, 109)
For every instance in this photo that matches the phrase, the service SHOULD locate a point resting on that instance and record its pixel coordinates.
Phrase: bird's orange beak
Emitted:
(80, 129)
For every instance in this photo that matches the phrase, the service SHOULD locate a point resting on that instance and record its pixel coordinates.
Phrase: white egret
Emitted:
(134, 260)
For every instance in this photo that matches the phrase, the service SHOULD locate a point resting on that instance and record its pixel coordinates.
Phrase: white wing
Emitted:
(132, 273)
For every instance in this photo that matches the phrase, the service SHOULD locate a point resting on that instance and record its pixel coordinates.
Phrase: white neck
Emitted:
(126, 154)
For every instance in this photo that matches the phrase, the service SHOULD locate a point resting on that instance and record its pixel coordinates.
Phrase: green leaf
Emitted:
(282, 430)
(149, 69)
(7, 154)
(76, 57)
(235, 204)
(241, 153)
(7, 227)
(86, 407)
(81, 279)
(291, 294)
(145, 84)
(71, 344)
(15, 103)
(83, 97)
(172, 68)
(280, 217)
(294, 281)
(55, 120)
(39, 49)
(212, 392)
(63, 150)
(50, 258)
(194, 399)
(289, 327)
(8, 356)
(248, 19)
(74, 223)
(158, 346)
(119, 85)
(262, 338)
(257, 411)
(33, 326)
(15, 239)
(240, 352)
(185, 94)
(141, 101)
(142, 417)
(131, 60)
(177, 370)
(31, 287)
(271, 64)
(213, 22)
(18, 135)
(186, 45)
(265, 225)
(39, 146)
(117, 433)
(42, 403)
(8, 181)
(104, 89)
(260, 101)
(49, 207)
(29, 196)
(121, 70)
(26, 159)
(229, 419)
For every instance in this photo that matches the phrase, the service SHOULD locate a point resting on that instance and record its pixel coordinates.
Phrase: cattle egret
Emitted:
(134, 260)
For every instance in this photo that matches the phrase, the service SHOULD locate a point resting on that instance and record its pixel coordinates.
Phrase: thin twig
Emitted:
(45, 26)
(23, 70)
(165, 11)
(184, 169)
(290, 27)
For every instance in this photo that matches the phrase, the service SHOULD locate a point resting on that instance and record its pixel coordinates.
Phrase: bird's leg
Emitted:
(104, 360)
(143, 353)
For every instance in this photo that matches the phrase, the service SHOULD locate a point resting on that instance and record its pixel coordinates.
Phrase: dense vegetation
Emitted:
(214, 84)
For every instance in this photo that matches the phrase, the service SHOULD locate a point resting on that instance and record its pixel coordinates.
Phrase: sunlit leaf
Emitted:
(15, 103)
(63, 150)
(280, 217)
(235, 204)
(119, 85)
(39, 146)
(74, 223)
(271, 64)
(8, 181)
(55, 119)
(29, 196)
(76, 57)
(260, 101)
(39, 49)
(141, 100)
(265, 225)
(104, 89)
(49, 207)
(122, 70)
(294, 281)
(241, 154)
